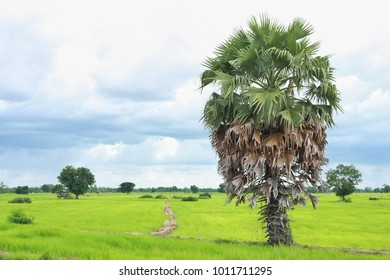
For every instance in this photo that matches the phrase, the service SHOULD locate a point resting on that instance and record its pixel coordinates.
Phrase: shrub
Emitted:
(177, 197)
(189, 198)
(161, 196)
(146, 196)
(64, 194)
(205, 195)
(19, 217)
(20, 200)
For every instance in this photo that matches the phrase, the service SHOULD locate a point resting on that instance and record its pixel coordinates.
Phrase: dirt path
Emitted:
(170, 224)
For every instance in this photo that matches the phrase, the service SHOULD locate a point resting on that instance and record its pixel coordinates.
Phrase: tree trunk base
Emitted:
(277, 224)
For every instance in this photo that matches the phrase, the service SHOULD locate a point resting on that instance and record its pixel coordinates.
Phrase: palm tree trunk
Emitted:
(277, 224)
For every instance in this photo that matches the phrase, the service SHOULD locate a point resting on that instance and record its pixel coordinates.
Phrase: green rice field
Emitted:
(120, 227)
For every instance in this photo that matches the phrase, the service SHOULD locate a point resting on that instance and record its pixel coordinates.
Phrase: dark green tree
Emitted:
(22, 190)
(126, 187)
(57, 188)
(47, 188)
(194, 189)
(343, 180)
(274, 99)
(76, 180)
(368, 189)
(4, 188)
(221, 188)
(386, 188)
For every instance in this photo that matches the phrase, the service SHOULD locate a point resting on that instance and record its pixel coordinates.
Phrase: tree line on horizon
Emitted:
(342, 181)
(54, 188)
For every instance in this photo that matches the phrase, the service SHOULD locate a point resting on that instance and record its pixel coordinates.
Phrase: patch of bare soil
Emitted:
(170, 224)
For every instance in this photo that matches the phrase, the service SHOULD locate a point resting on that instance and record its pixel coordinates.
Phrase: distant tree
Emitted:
(367, 189)
(343, 180)
(194, 189)
(386, 188)
(377, 190)
(77, 180)
(4, 188)
(34, 190)
(93, 189)
(47, 188)
(126, 187)
(96, 189)
(57, 187)
(221, 188)
(22, 190)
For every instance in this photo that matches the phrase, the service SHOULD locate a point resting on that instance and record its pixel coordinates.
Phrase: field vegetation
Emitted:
(119, 226)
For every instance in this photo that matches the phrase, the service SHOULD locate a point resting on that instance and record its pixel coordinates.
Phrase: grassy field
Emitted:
(119, 226)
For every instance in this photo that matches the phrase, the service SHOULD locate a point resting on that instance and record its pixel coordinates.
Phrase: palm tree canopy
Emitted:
(272, 74)
(275, 98)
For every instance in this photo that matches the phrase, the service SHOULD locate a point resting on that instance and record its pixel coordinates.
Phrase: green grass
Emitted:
(118, 226)
(214, 219)
(362, 224)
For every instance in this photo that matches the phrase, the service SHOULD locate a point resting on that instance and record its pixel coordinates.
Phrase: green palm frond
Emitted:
(265, 32)
(247, 58)
(207, 77)
(292, 117)
(264, 103)
(299, 29)
(242, 113)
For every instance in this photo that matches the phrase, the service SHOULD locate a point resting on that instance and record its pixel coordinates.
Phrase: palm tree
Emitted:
(274, 99)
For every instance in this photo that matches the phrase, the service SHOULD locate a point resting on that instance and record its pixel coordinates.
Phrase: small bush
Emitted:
(189, 198)
(177, 197)
(205, 195)
(64, 194)
(20, 200)
(146, 196)
(161, 196)
(19, 217)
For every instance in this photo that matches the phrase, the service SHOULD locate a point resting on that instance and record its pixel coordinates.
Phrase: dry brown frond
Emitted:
(275, 139)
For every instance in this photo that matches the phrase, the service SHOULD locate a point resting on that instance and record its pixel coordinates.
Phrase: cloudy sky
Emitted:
(113, 86)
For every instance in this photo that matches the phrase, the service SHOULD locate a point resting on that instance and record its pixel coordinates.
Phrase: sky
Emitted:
(114, 86)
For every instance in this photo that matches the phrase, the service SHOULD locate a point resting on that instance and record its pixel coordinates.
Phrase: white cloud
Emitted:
(165, 147)
(379, 55)
(377, 104)
(347, 83)
(374, 176)
(106, 151)
(188, 101)
(74, 64)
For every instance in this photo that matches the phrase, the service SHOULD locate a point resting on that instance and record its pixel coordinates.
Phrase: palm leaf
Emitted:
(291, 117)
(265, 103)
